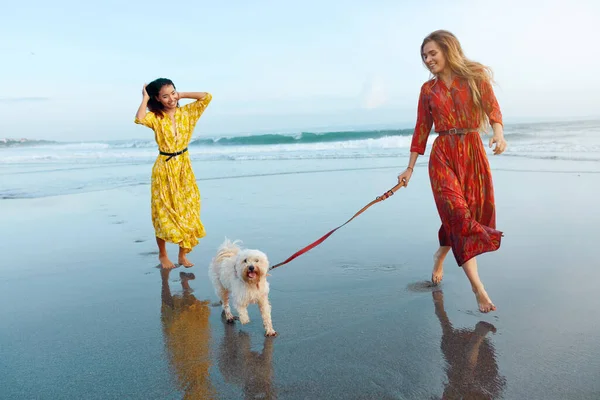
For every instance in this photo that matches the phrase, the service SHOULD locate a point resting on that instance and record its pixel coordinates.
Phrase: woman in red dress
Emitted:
(460, 102)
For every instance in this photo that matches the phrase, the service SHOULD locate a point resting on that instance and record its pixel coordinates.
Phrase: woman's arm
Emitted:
(192, 95)
(407, 174)
(498, 129)
(196, 108)
(413, 159)
(492, 109)
(420, 135)
(141, 112)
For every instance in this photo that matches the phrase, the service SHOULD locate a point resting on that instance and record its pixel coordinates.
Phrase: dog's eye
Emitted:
(245, 260)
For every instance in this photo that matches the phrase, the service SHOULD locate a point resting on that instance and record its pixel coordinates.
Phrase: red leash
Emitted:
(322, 239)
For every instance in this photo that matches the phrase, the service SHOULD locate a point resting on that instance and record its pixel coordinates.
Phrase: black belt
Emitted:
(457, 131)
(171, 155)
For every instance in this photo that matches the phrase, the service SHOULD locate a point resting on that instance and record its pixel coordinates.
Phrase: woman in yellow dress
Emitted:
(174, 192)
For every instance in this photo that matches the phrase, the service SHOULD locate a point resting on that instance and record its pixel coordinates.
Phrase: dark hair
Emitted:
(153, 88)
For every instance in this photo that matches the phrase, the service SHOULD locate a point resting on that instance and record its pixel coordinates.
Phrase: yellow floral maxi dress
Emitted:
(175, 194)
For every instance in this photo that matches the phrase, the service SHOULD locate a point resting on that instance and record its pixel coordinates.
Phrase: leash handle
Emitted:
(391, 192)
(314, 244)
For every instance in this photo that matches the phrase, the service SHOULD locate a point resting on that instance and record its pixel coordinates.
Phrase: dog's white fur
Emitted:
(239, 276)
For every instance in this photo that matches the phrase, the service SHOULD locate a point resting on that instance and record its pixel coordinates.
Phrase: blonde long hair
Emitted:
(474, 72)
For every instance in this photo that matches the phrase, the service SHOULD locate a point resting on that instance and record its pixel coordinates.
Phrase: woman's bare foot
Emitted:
(438, 266)
(184, 261)
(484, 301)
(165, 262)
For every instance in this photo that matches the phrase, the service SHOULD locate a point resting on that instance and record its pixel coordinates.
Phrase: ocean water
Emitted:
(48, 168)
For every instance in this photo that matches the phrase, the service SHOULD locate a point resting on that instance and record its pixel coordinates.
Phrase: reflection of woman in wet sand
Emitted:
(186, 331)
(472, 369)
(250, 370)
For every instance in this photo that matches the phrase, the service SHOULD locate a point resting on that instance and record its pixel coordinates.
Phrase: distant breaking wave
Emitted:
(575, 141)
(254, 140)
(277, 139)
(305, 137)
(23, 142)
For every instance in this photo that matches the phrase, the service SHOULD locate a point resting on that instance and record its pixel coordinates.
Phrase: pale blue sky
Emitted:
(73, 70)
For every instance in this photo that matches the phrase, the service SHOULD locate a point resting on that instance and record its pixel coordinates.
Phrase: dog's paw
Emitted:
(244, 321)
(229, 317)
(271, 333)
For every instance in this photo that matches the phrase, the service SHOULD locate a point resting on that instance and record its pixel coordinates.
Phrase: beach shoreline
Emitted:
(354, 316)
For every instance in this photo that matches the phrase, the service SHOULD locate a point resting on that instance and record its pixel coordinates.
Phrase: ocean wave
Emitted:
(516, 132)
(574, 141)
(245, 140)
(302, 138)
(95, 152)
(24, 142)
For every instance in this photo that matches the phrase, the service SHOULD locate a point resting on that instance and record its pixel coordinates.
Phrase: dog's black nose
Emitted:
(251, 268)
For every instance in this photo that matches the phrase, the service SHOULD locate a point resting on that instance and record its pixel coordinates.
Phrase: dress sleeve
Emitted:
(423, 125)
(490, 104)
(196, 109)
(149, 120)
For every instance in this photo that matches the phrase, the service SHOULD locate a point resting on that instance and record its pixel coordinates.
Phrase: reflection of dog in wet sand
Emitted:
(240, 275)
(250, 370)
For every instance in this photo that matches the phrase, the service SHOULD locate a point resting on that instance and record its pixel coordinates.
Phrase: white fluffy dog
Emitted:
(240, 275)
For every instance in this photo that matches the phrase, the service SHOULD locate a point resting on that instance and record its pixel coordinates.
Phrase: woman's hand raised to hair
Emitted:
(141, 112)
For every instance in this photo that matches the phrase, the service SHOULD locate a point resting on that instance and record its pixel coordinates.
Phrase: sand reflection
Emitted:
(250, 370)
(472, 370)
(186, 330)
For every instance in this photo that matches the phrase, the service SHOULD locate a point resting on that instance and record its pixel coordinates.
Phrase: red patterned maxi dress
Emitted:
(459, 170)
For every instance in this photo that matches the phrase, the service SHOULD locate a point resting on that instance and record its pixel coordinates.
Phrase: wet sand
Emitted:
(86, 314)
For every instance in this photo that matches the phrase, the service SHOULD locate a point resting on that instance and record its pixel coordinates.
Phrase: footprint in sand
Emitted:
(370, 268)
(119, 222)
(476, 313)
(421, 286)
